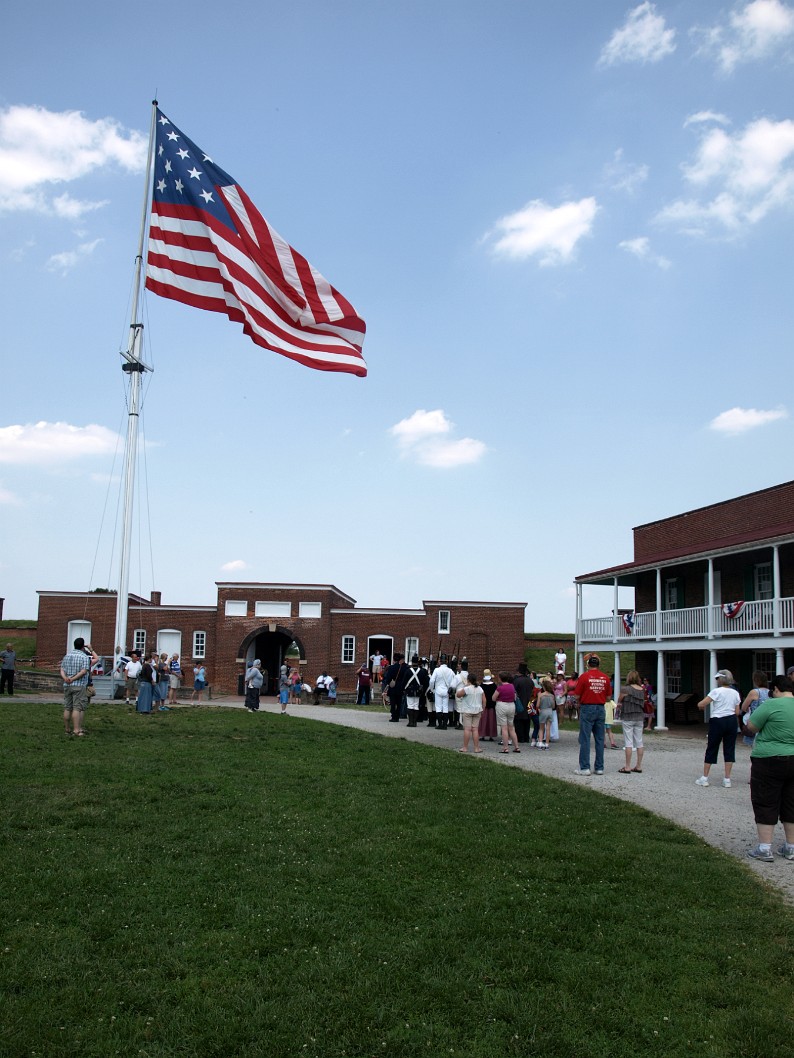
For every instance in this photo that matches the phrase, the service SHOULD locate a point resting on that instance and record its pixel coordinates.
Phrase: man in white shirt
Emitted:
(132, 671)
(440, 682)
(560, 658)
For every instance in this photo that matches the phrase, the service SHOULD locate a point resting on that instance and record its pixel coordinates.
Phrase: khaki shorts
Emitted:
(75, 699)
(505, 713)
(470, 720)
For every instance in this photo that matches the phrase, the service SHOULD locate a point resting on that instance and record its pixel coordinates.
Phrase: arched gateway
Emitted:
(270, 643)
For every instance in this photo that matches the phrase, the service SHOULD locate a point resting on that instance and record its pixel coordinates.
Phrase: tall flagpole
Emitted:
(135, 368)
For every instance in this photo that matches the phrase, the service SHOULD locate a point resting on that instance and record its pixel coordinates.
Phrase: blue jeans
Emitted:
(591, 722)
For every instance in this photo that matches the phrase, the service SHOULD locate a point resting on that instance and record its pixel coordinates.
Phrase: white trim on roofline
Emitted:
(489, 605)
(628, 568)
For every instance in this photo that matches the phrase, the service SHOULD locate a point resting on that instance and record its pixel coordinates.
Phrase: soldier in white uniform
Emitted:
(441, 681)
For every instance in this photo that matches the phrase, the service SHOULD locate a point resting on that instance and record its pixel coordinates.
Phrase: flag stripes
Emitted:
(209, 247)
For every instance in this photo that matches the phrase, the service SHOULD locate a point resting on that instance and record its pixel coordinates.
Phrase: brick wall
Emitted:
(758, 515)
(489, 636)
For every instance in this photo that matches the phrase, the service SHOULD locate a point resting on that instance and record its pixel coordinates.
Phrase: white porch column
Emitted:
(710, 602)
(776, 591)
(661, 683)
(779, 662)
(713, 667)
(578, 621)
(615, 615)
(616, 681)
(658, 603)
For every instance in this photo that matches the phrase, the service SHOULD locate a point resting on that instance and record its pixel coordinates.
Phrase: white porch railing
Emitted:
(690, 622)
(755, 618)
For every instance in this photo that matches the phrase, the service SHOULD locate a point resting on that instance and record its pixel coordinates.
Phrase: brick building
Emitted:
(255, 620)
(713, 588)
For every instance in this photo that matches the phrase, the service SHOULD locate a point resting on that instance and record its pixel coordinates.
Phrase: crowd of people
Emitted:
(514, 708)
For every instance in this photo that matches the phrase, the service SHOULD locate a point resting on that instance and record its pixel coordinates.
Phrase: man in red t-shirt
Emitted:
(593, 688)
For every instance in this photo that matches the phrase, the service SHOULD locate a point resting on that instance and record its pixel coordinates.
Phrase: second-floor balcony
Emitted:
(769, 617)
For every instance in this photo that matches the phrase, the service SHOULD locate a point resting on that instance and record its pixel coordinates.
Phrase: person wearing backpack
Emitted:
(415, 686)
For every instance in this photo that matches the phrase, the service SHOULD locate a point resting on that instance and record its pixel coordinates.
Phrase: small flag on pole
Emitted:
(211, 248)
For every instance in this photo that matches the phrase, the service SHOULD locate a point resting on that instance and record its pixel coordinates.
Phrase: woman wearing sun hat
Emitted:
(487, 728)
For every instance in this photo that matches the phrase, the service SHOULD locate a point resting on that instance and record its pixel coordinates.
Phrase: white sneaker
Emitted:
(533, 742)
(541, 745)
(582, 771)
(726, 783)
(702, 781)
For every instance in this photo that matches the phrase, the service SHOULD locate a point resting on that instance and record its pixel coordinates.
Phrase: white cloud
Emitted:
(422, 437)
(625, 176)
(704, 116)
(549, 232)
(40, 149)
(54, 442)
(740, 420)
(420, 425)
(753, 32)
(64, 262)
(641, 248)
(234, 565)
(643, 37)
(752, 173)
(446, 454)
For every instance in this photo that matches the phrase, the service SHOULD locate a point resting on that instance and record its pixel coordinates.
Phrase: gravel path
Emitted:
(723, 818)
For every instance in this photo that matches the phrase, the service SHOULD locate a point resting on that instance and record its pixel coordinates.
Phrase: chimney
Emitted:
(157, 598)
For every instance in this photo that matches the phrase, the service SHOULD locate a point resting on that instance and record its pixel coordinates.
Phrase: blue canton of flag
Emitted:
(211, 248)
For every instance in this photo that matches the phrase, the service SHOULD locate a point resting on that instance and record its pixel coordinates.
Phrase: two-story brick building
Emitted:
(713, 588)
(259, 620)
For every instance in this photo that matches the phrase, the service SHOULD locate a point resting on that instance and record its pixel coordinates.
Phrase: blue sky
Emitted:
(567, 226)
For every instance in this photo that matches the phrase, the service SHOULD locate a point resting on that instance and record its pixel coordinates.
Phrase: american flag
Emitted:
(733, 609)
(210, 247)
(628, 622)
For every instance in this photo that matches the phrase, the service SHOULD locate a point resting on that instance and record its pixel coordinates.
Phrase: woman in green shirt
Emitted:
(772, 770)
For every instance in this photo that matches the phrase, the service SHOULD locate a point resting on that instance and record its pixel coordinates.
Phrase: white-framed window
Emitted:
(199, 644)
(236, 608)
(762, 581)
(139, 640)
(764, 661)
(671, 594)
(169, 641)
(673, 672)
(310, 609)
(443, 622)
(411, 647)
(267, 608)
(74, 630)
(348, 650)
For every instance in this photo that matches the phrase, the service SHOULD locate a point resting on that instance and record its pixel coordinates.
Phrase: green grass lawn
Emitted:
(212, 883)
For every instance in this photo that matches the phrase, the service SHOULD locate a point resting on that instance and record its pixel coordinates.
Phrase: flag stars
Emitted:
(183, 154)
(193, 173)
(179, 186)
(161, 186)
(172, 136)
(164, 120)
(207, 196)
(206, 158)
(167, 166)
